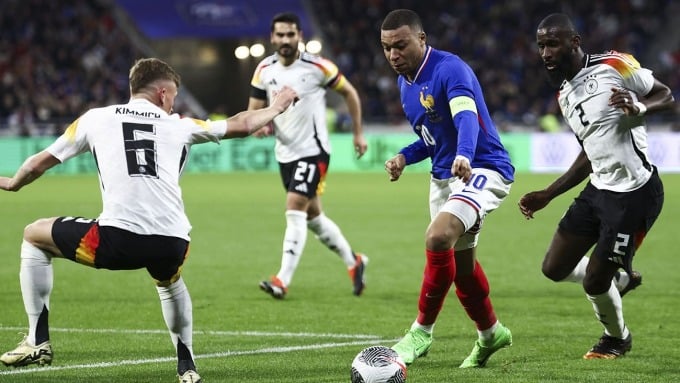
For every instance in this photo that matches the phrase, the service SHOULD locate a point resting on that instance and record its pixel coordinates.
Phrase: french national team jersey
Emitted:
(140, 152)
(300, 131)
(441, 77)
(615, 144)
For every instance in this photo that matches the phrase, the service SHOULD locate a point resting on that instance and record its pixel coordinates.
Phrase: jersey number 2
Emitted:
(140, 154)
(582, 115)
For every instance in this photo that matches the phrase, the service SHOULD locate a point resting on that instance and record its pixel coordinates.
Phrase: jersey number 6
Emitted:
(140, 154)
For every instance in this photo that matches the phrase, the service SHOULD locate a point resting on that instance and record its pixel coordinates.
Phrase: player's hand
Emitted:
(4, 183)
(265, 131)
(360, 145)
(623, 99)
(395, 166)
(533, 202)
(284, 98)
(461, 168)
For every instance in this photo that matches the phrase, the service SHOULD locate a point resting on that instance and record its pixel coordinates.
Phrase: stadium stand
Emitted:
(59, 58)
(497, 38)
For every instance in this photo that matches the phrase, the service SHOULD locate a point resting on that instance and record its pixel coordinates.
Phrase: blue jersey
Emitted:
(441, 77)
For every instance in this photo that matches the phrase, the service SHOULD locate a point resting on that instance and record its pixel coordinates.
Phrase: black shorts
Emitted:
(306, 176)
(106, 247)
(619, 221)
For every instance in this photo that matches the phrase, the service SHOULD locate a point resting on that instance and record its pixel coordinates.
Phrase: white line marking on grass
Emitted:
(205, 332)
(268, 350)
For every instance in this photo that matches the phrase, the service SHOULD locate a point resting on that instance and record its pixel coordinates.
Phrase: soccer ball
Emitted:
(378, 364)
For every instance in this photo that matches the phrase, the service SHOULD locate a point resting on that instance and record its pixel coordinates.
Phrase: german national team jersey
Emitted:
(615, 144)
(140, 152)
(441, 77)
(300, 131)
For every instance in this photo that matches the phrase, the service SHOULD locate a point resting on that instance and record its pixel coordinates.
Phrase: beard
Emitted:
(287, 51)
(554, 78)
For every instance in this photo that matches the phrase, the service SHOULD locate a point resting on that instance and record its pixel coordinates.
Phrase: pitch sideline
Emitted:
(364, 340)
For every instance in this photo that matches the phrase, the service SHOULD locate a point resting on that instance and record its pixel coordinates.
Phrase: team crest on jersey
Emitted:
(591, 84)
(427, 101)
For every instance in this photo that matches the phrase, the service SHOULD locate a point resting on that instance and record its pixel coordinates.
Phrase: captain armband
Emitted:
(462, 103)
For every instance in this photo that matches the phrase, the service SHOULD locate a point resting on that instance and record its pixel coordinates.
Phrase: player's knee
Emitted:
(552, 271)
(35, 232)
(595, 284)
(439, 240)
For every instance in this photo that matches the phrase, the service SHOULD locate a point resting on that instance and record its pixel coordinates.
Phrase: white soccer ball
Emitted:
(378, 364)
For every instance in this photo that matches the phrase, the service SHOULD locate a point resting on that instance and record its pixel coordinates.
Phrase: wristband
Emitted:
(641, 107)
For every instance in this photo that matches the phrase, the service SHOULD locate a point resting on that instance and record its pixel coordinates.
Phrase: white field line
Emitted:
(363, 339)
(268, 350)
(205, 332)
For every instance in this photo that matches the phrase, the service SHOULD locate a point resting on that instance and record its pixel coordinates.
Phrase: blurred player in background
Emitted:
(471, 176)
(603, 98)
(303, 148)
(140, 149)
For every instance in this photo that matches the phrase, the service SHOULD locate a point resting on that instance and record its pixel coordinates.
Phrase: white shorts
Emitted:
(470, 203)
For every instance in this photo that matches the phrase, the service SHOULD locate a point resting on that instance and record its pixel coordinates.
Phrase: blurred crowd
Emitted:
(59, 58)
(497, 39)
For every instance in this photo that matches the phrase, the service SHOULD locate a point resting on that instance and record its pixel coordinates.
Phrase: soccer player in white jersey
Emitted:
(604, 98)
(140, 149)
(303, 149)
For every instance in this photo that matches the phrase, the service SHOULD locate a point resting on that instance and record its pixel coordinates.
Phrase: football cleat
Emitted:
(274, 287)
(26, 354)
(483, 350)
(625, 282)
(414, 344)
(190, 376)
(356, 274)
(610, 348)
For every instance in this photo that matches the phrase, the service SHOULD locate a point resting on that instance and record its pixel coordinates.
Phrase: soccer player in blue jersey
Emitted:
(603, 98)
(471, 176)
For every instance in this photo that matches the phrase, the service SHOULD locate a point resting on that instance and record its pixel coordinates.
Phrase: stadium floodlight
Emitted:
(313, 46)
(257, 50)
(242, 52)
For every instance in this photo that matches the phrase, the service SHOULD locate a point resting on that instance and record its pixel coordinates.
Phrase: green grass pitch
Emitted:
(107, 326)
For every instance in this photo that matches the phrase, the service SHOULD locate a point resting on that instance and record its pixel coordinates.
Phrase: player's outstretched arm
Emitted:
(248, 122)
(351, 96)
(34, 167)
(254, 104)
(537, 200)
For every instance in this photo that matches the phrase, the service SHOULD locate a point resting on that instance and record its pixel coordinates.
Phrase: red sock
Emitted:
(473, 292)
(440, 270)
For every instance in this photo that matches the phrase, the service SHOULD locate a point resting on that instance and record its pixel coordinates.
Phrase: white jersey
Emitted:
(140, 152)
(301, 130)
(615, 144)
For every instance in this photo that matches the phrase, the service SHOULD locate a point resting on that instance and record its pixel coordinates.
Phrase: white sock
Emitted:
(579, 271)
(488, 333)
(177, 312)
(428, 329)
(36, 278)
(622, 282)
(330, 235)
(609, 311)
(293, 243)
